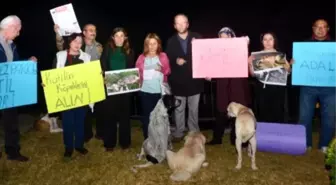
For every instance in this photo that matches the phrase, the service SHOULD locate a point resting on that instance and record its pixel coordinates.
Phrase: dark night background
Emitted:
(291, 21)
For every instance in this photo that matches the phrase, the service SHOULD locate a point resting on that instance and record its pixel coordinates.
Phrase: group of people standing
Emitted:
(172, 65)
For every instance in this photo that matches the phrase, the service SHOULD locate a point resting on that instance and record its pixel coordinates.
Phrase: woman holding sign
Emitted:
(154, 69)
(270, 99)
(117, 55)
(73, 119)
(228, 90)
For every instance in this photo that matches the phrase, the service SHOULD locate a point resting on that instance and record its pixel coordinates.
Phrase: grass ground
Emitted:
(98, 167)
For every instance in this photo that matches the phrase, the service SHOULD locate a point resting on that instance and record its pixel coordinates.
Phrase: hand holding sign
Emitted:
(73, 86)
(180, 61)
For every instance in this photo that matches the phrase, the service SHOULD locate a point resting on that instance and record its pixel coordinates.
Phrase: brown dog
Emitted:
(189, 159)
(245, 131)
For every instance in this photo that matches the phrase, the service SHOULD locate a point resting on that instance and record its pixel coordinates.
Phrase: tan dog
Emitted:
(245, 131)
(189, 159)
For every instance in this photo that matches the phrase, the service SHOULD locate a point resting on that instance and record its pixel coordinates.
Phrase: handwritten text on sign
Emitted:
(314, 64)
(18, 84)
(220, 58)
(73, 86)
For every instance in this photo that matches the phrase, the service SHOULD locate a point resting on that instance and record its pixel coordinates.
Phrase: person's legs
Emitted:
(328, 117)
(110, 124)
(179, 114)
(124, 122)
(308, 98)
(219, 128)
(79, 127)
(148, 103)
(193, 103)
(12, 134)
(99, 120)
(88, 133)
(68, 121)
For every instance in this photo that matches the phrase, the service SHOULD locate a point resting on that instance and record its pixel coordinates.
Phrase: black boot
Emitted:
(18, 157)
(67, 154)
(214, 142)
(82, 151)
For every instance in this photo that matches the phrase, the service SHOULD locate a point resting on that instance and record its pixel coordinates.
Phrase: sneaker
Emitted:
(18, 157)
(324, 149)
(82, 151)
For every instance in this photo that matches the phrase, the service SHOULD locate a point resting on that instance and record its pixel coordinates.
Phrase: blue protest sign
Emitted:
(314, 64)
(18, 84)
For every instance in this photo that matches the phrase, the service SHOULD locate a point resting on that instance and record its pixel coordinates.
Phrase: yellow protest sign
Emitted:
(73, 86)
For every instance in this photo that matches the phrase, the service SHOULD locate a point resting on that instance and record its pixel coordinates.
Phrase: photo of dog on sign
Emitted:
(268, 61)
(122, 81)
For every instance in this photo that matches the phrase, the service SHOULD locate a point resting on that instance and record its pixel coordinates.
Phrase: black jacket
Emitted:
(180, 79)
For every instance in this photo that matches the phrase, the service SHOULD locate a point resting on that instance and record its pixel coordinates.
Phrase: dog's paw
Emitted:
(205, 164)
(238, 167)
(134, 170)
(254, 167)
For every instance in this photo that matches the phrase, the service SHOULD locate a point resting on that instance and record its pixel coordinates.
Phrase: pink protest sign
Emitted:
(220, 58)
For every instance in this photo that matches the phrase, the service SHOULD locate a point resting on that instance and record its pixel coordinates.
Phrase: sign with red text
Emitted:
(220, 58)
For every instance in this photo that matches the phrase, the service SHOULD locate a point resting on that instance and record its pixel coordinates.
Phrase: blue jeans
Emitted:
(308, 98)
(148, 103)
(73, 127)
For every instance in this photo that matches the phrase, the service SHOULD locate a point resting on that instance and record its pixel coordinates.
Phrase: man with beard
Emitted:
(183, 86)
(94, 49)
(325, 95)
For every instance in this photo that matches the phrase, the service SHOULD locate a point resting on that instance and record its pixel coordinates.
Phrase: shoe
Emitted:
(324, 149)
(67, 155)
(125, 147)
(214, 142)
(18, 157)
(109, 149)
(82, 151)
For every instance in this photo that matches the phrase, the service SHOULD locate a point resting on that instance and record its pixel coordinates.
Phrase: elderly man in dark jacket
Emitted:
(10, 28)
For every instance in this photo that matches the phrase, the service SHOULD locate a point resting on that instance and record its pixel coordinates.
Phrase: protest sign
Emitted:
(314, 64)
(220, 58)
(64, 16)
(122, 81)
(73, 86)
(18, 84)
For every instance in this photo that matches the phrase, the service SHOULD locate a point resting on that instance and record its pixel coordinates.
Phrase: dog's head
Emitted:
(194, 138)
(170, 102)
(234, 108)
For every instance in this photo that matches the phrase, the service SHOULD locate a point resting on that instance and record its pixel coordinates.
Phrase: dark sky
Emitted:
(289, 20)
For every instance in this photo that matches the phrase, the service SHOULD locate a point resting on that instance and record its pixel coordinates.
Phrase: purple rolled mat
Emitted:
(281, 138)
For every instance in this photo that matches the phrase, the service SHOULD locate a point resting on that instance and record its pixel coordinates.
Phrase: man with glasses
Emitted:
(325, 95)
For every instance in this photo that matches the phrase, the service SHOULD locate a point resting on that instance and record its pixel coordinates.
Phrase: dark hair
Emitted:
(72, 37)
(274, 37)
(126, 45)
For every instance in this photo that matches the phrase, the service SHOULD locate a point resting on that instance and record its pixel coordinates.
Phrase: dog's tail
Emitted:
(134, 168)
(180, 175)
